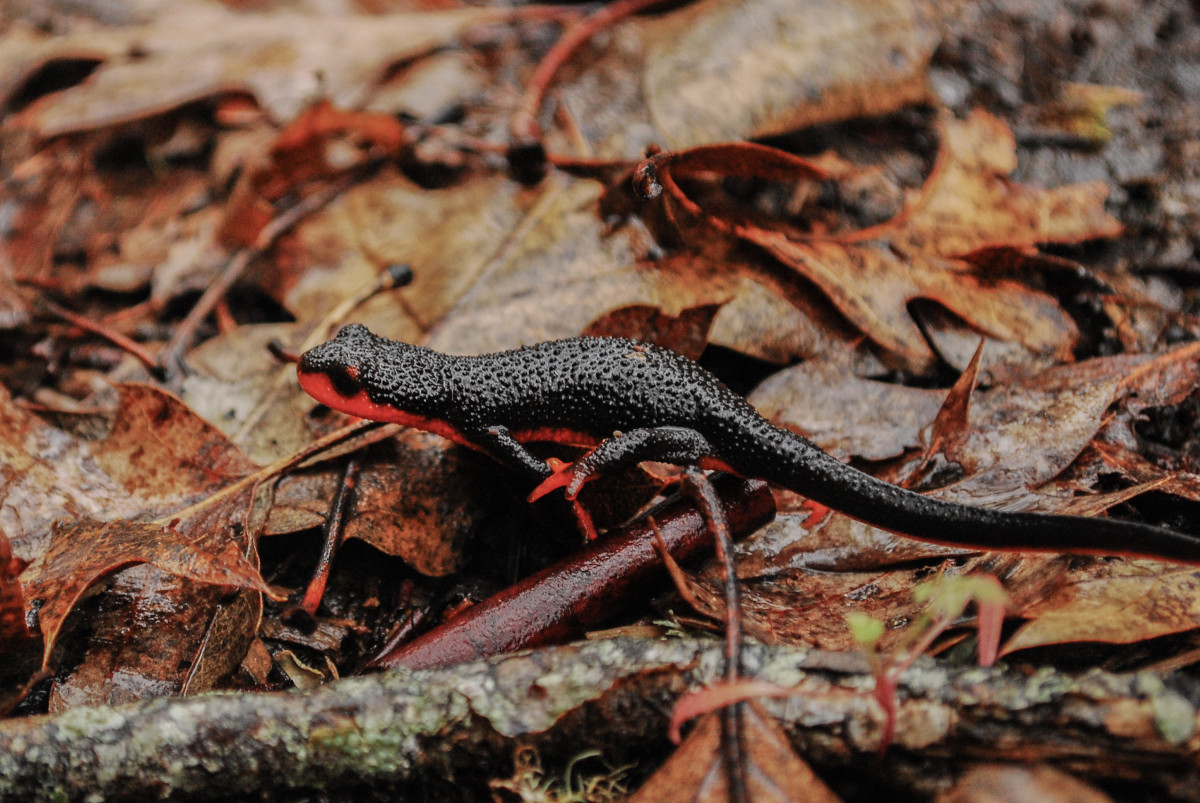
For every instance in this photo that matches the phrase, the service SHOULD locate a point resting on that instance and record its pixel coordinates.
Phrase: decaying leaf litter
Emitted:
(948, 194)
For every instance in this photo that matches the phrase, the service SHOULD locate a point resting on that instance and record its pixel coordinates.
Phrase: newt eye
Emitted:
(345, 379)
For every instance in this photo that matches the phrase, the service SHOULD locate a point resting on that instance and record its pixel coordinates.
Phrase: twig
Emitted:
(732, 743)
(526, 131)
(171, 358)
(335, 524)
(111, 335)
(371, 430)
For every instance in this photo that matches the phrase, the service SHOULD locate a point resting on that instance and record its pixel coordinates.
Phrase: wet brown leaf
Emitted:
(721, 70)
(421, 501)
(849, 416)
(82, 552)
(773, 770)
(873, 285)
(808, 606)
(1116, 602)
(162, 452)
(282, 60)
(685, 333)
(158, 634)
(1005, 783)
(156, 458)
(967, 205)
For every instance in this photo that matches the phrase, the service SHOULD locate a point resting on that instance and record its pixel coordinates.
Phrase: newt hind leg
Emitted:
(678, 445)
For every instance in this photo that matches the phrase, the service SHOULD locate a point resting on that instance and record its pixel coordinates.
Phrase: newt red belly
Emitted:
(640, 402)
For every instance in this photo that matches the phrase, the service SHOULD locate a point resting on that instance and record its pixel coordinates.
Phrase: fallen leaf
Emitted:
(772, 769)
(967, 205)
(1082, 110)
(1004, 783)
(1016, 446)
(956, 343)
(497, 266)
(303, 152)
(561, 270)
(849, 416)
(718, 70)
(1118, 602)
(1025, 434)
(421, 500)
(82, 552)
(1105, 458)
(237, 386)
(161, 452)
(832, 543)
(157, 634)
(685, 333)
(49, 474)
(199, 52)
(807, 606)
(156, 459)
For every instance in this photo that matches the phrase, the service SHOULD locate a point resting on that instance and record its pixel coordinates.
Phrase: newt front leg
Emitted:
(678, 445)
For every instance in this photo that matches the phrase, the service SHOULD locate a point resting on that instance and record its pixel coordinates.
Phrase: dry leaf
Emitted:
(156, 458)
(1025, 434)
(1006, 783)
(283, 60)
(719, 70)
(1112, 601)
(849, 416)
(773, 770)
(967, 205)
(561, 270)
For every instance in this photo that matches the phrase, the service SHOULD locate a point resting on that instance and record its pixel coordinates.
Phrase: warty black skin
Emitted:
(668, 408)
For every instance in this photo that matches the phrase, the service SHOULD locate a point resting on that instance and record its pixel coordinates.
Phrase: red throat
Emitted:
(320, 387)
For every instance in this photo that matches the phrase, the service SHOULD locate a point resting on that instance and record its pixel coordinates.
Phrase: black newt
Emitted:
(632, 402)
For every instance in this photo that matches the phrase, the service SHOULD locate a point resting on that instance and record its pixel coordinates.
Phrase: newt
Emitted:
(631, 401)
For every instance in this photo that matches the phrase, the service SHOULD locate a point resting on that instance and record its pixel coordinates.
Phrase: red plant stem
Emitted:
(170, 359)
(732, 748)
(525, 125)
(114, 337)
(335, 525)
(562, 602)
(705, 495)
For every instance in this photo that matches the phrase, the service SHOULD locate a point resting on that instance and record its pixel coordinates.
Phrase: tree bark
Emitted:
(411, 729)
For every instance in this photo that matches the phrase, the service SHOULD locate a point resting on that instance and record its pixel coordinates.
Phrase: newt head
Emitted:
(333, 371)
(372, 377)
